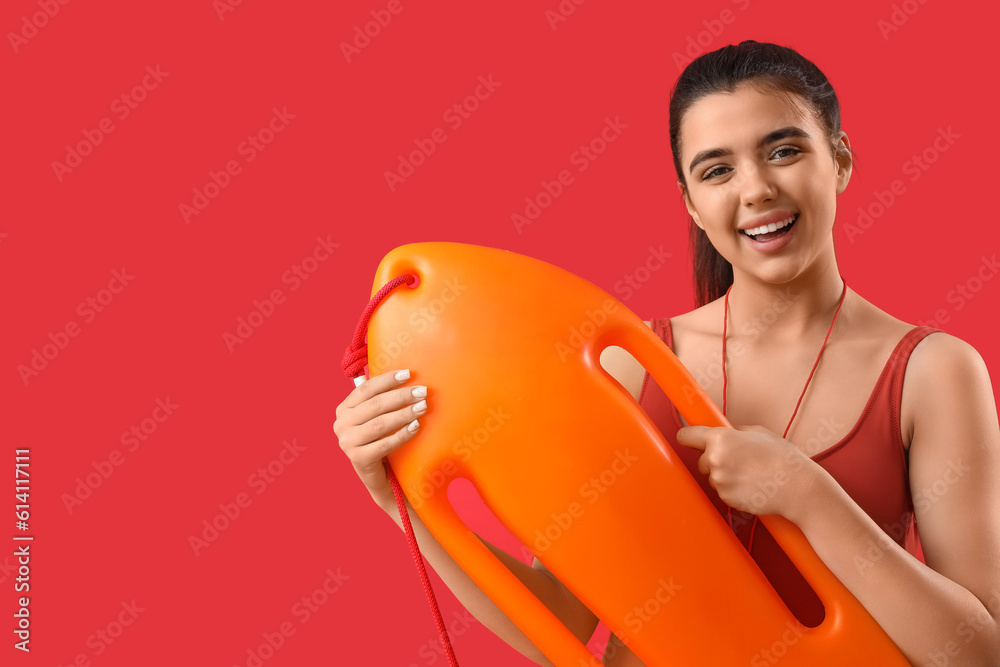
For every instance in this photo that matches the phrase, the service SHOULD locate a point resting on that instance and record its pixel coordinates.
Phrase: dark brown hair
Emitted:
(770, 68)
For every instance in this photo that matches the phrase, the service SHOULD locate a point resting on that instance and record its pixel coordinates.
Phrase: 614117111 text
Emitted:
(22, 552)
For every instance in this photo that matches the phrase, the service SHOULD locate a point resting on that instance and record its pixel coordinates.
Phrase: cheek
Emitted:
(824, 206)
(816, 193)
(716, 207)
(723, 237)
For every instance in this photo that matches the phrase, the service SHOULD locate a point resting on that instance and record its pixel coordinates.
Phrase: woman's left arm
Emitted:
(946, 612)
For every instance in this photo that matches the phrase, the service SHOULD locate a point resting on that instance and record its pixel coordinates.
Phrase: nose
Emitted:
(756, 186)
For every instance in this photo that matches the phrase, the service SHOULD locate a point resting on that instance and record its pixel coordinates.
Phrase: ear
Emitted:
(844, 160)
(689, 205)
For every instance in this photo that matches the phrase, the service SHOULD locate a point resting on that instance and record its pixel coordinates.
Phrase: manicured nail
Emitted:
(413, 426)
(420, 407)
(403, 375)
(419, 392)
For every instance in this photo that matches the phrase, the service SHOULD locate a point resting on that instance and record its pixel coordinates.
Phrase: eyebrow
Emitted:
(771, 137)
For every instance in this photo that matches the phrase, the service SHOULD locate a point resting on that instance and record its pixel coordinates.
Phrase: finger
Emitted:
(693, 436)
(369, 457)
(379, 415)
(703, 466)
(386, 421)
(376, 385)
(389, 400)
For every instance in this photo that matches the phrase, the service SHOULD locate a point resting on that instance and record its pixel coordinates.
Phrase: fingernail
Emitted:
(420, 407)
(403, 375)
(419, 392)
(413, 426)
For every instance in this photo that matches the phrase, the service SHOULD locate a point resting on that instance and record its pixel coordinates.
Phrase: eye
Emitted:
(788, 151)
(781, 152)
(714, 172)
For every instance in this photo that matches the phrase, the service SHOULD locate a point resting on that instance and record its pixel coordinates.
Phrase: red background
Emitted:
(323, 176)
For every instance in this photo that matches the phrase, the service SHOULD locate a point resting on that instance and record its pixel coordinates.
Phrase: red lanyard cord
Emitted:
(725, 383)
(353, 363)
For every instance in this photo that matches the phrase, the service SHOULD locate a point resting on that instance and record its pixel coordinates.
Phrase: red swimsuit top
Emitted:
(869, 463)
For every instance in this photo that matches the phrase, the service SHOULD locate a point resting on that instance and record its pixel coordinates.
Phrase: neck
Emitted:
(786, 311)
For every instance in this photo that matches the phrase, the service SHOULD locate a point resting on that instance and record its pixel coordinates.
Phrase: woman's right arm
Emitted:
(374, 420)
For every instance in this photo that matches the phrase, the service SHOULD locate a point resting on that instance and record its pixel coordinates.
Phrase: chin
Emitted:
(775, 271)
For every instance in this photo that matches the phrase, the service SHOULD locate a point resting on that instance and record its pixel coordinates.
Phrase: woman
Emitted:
(781, 343)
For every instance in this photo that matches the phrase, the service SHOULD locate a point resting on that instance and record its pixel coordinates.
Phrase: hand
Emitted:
(374, 420)
(753, 469)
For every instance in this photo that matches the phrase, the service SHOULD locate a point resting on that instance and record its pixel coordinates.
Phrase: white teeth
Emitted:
(773, 227)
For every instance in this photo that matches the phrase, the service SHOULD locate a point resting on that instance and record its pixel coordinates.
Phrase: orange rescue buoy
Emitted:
(567, 460)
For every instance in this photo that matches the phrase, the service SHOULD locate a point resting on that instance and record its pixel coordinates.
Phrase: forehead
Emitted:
(740, 118)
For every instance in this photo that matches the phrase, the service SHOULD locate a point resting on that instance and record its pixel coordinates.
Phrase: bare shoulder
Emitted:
(623, 367)
(936, 356)
(871, 326)
(940, 370)
(696, 328)
(945, 363)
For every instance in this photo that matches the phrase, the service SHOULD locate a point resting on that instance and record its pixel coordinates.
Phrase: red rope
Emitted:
(725, 322)
(354, 361)
(418, 559)
(356, 355)
(813, 371)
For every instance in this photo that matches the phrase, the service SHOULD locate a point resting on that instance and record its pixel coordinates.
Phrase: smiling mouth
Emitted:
(772, 231)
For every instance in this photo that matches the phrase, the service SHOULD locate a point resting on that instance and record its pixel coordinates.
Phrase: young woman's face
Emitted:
(752, 158)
